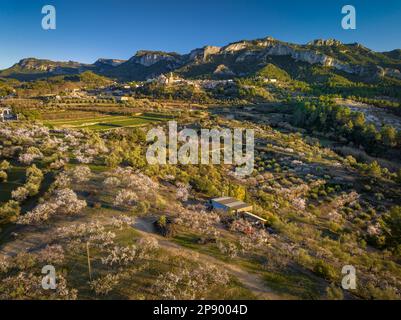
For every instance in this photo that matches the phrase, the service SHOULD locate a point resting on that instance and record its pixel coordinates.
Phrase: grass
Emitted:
(190, 241)
(67, 115)
(80, 121)
(134, 122)
(293, 284)
(109, 122)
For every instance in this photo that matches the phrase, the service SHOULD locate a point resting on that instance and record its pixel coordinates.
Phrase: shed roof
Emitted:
(231, 203)
(239, 206)
(255, 216)
(225, 200)
(221, 199)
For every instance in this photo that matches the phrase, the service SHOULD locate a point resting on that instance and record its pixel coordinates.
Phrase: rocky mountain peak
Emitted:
(203, 53)
(325, 42)
(109, 62)
(148, 58)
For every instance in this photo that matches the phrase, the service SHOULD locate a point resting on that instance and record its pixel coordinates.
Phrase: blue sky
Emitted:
(92, 29)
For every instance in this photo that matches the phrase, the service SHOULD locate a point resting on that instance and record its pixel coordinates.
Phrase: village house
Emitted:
(6, 114)
(167, 79)
(123, 98)
(270, 80)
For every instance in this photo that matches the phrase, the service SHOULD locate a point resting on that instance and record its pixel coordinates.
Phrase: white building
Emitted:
(6, 114)
(266, 80)
(123, 99)
(167, 79)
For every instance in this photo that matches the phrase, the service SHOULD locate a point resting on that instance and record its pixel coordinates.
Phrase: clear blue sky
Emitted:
(91, 29)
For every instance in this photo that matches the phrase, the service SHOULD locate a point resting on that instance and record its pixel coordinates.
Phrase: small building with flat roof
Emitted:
(230, 204)
(239, 208)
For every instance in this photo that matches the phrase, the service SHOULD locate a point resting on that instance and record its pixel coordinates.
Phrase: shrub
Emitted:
(165, 227)
(3, 176)
(103, 285)
(141, 208)
(4, 165)
(9, 211)
(97, 205)
(334, 227)
(204, 185)
(20, 194)
(324, 270)
(162, 221)
(334, 293)
(392, 227)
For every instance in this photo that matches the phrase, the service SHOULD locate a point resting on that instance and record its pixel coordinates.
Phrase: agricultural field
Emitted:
(72, 193)
(274, 172)
(108, 122)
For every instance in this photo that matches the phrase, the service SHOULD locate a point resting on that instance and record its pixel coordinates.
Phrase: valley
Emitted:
(78, 192)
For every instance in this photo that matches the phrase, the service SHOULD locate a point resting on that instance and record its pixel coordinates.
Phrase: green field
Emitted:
(109, 122)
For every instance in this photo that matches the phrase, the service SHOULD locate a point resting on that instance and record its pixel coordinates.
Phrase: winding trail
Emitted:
(32, 239)
(250, 281)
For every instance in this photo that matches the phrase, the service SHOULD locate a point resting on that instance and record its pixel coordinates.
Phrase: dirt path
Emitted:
(31, 239)
(251, 281)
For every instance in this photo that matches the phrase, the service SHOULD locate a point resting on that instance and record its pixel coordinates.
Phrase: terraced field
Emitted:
(109, 122)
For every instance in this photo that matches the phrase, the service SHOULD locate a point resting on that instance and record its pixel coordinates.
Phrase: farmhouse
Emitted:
(240, 208)
(6, 114)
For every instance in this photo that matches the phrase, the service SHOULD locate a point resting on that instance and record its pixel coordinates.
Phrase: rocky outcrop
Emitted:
(257, 52)
(203, 53)
(252, 45)
(234, 47)
(322, 42)
(394, 73)
(262, 48)
(149, 58)
(315, 57)
(309, 56)
(245, 56)
(223, 70)
(48, 66)
(109, 62)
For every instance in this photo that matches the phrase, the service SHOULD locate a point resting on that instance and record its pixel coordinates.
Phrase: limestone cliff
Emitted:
(149, 58)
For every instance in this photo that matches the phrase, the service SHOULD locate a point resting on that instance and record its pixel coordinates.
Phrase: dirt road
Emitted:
(251, 281)
(31, 239)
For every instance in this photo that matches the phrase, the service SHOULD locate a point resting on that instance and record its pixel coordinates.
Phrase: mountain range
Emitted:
(238, 59)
